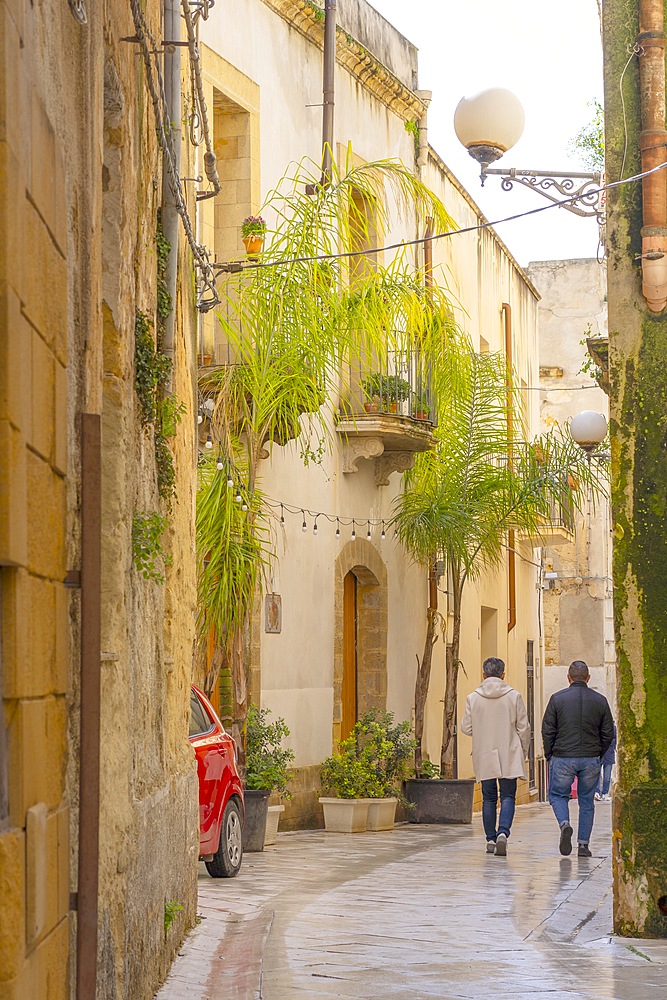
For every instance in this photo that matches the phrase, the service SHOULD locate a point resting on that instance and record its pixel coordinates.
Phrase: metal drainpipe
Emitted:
(511, 565)
(425, 97)
(651, 42)
(168, 213)
(328, 89)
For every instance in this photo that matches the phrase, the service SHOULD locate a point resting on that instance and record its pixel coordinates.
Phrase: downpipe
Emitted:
(651, 48)
(168, 211)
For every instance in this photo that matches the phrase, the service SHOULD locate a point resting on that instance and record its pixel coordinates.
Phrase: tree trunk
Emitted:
(451, 684)
(239, 691)
(422, 684)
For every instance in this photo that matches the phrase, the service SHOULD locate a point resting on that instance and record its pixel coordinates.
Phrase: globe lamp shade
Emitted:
(489, 123)
(588, 429)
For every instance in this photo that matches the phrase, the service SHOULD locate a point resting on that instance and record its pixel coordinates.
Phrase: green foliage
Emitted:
(170, 910)
(267, 761)
(318, 12)
(590, 367)
(373, 760)
(171, 412)
(588, 143)
(151, 368)
(390, 388)
(413, 128)
(147, 550)
(253, 225)
(164, 300)
(429, 770)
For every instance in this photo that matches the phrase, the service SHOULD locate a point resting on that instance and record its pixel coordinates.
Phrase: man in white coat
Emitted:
(497, 720)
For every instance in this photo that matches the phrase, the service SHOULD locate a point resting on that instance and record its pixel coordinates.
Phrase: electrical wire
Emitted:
(247, 265)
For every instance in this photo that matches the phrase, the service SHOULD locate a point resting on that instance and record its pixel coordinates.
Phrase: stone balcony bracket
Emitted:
(391, 440)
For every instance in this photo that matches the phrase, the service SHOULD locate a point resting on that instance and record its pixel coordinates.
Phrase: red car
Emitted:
(221, 811)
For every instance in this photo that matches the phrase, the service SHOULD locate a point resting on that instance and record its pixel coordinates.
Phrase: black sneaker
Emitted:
(565, 845)
(584, 851)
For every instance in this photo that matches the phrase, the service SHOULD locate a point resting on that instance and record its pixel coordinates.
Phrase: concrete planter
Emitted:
(272, 820)
(345, 815)
(256, 803)
(381, 813)
(440, 801)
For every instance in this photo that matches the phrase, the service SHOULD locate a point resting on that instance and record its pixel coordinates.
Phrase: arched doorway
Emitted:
(360, 651)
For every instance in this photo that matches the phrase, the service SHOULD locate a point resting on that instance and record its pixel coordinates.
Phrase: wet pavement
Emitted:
(417, 913)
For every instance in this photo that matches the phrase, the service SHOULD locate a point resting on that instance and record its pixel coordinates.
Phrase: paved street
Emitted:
(417, 913)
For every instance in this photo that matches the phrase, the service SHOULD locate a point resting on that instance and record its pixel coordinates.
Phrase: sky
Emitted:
(550, 56)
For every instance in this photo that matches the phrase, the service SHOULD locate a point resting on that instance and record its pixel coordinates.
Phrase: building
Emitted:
(576, 580)
(363, 587)
(80, 193)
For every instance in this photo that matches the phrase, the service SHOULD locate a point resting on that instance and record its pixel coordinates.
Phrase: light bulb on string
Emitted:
(304, 526)
(315, 524)
(368, 533)
(219, 464)
(244, 506)
(337, 528)
(200, 416)
(230, 481)
(209, 441)
(282, 515)
(238, 496)
(383, 533)
(354, 530)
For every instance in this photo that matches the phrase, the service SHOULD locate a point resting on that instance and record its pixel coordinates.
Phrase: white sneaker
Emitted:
(606, 798)
(598, 797)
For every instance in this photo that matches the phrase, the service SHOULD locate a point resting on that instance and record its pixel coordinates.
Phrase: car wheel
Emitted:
(227, 860)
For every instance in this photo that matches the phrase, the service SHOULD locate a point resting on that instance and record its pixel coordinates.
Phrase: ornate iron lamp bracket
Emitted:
(554, 186)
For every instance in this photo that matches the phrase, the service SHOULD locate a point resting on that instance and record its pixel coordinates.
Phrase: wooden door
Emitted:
(349, 686)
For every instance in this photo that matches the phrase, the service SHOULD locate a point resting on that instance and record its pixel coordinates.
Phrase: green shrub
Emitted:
(373, 760)
(267, 761)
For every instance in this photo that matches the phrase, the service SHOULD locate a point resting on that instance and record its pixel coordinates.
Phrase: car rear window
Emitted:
(199, 719)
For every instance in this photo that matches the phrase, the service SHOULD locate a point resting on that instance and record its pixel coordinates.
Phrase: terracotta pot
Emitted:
(253, 244)
(371, 407)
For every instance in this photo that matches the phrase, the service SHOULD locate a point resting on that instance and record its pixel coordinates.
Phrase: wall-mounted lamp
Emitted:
(588, 429)
(491, 123)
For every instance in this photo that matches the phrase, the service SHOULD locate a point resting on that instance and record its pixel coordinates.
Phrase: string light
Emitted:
(337, 528)
(238, 496)
(209, 441)
(383, 536)
(200, 416)
(304, 526)
(244, 506)
(368, 533)
(220, 464)
(230, 481)
(315, 524)
(354, 530)
(282, 514)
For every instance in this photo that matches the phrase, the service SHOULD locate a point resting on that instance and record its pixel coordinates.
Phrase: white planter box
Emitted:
(381, 813)
(345, 815)
(272, 821)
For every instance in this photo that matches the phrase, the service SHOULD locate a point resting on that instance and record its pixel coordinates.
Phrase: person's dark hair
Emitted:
(578, 671)
(493, 666)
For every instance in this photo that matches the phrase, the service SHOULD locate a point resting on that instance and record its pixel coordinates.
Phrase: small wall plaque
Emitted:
(273, 613)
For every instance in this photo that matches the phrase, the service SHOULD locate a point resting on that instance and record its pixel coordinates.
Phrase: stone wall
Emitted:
(80, 176)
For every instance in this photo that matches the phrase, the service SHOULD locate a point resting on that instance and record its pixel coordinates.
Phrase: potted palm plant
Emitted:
(267, 771)
(366, 774)
(253, 230)
(464, 501)
(389, 390)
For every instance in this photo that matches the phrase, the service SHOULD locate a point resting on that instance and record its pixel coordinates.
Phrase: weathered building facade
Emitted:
(80, 193)
(365, 586)
(576, 580)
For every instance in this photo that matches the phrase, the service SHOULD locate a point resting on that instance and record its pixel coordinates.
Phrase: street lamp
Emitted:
(491, 123)
(588, 429)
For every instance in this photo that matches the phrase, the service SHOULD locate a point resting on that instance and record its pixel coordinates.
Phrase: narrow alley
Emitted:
(417, 913)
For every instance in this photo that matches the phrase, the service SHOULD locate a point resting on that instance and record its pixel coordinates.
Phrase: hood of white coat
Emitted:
(493, 687)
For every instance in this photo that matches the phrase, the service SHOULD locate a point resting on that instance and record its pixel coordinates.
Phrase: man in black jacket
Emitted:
(577, 729)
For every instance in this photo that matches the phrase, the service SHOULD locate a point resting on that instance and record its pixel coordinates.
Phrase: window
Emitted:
(199, 718)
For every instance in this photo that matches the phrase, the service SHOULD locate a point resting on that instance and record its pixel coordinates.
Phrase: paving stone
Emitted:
(417, 913)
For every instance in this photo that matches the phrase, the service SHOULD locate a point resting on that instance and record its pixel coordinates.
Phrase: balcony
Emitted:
(557, 530)
(387, 414)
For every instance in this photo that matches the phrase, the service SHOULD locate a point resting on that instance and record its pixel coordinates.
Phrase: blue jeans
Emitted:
(605, 779)
(490, 802)
(562, 772)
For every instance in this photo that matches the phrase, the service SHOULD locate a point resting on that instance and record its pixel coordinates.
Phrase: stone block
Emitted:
(12, 893)
(13, 496)
(233, 170)
(15, 360)
(60, 439)
(15, 109)
(42, 398)
(37, 739)
(62, 834)
(46, 519)
(13, 254)
(42, 161)
(36, 868)
(45, 288)
(35, 616)
(14, 636)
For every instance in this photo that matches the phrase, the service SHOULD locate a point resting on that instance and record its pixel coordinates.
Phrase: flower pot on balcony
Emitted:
(253, 245)
(420, 414)
(371, 406)
(381, 814)
(345, 815)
